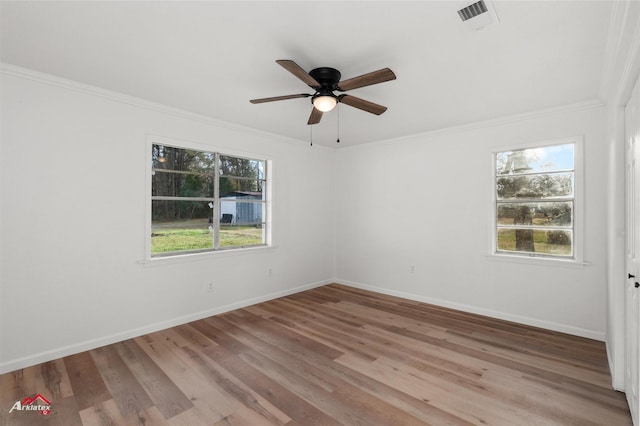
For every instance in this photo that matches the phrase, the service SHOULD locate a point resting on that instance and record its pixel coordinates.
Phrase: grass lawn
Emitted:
(196, 235)
(238, 236)
(507, 242)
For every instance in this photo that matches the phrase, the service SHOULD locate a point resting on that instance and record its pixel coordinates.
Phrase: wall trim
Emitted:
(87, 89)
(495, 122)
(630, 67)
(16, 71)
(619, 15)
(622, 69)
(562, 328)
(15, 364)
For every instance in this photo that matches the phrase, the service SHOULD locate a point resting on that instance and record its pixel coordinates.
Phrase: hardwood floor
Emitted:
(328, 356)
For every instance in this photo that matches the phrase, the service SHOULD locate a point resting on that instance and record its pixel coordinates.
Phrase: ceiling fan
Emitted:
(325, 81)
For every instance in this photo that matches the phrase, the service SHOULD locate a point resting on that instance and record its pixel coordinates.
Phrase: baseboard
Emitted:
(562, 328)
(35, 359)
(30, 360)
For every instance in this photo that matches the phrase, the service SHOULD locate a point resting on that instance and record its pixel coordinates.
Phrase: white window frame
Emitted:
(578, 208)
(148, 259)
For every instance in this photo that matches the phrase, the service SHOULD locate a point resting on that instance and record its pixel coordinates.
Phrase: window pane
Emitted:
(234, 211)
(241, 235)
(242, 167)
(556, 242)
(181, 185)
(231, 187)
(184, 160)
(180, 225)
(235, 185)
(550, 214)
(548, 185)
(535, 160)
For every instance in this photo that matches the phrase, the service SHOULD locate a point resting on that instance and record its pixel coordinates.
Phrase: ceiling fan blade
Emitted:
(279, 98)
(315, 117)
(297, 70)
(368, 79)
(362, 104)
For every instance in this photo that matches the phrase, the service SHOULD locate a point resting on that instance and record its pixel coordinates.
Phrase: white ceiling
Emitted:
(211, 57)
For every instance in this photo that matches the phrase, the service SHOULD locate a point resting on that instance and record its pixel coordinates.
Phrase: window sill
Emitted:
(538, 260)
(198, 257)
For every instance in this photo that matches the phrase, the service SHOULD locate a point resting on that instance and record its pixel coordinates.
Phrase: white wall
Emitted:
(425, 202)
(72, 221)
(72, 216)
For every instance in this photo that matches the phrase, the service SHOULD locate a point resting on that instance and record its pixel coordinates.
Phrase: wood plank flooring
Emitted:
(334, 355)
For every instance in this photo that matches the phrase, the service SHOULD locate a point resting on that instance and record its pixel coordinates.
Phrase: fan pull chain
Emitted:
(311, 135)
(338, 112)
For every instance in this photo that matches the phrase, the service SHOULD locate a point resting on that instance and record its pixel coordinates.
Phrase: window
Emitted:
(206, 201)
(535, 201)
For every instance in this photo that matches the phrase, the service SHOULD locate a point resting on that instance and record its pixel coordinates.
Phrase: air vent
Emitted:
(478, 15)
(472, 10)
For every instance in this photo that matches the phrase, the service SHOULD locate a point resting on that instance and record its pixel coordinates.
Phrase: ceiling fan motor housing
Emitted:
(326, 76)
(328, 79)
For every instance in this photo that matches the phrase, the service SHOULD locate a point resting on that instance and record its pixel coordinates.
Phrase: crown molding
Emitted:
(630, 67)
(51, 80)
(24, 73)
(619, 14)
(501, 121)
(622, 54)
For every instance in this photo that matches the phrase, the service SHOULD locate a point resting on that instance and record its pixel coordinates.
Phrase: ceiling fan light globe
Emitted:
(324, 103)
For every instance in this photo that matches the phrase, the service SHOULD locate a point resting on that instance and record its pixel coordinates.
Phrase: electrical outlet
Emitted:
(412, 269)
(210, 288)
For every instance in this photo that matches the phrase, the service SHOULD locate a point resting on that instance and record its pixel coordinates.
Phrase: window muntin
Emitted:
(535, 201)
(206, 201)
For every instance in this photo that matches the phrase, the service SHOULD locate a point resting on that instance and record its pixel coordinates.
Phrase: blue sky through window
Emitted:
(536, 160)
